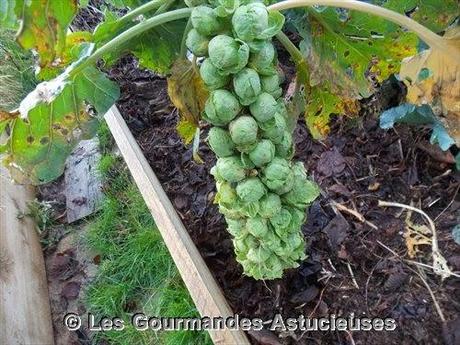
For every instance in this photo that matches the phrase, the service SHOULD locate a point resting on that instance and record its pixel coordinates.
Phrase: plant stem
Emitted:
(151, 5)
(428, 36)
(129, 34)
(183, 46)
(290, 47)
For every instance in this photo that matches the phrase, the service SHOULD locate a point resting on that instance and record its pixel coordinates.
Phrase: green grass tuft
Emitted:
(136, 273)
(16, 71)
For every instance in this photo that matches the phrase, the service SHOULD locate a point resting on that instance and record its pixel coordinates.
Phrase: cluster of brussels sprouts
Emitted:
(260, 191)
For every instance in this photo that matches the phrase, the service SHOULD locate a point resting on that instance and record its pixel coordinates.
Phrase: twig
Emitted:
(416, 262)
(354, 213)
(436, 304)
(419, 274)
(352, 276)
(439, 262)
(449, 205)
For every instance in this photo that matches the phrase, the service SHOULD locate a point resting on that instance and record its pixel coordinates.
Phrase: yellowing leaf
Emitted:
(188, 94)
(322, 103)
(44, 28)
(433, 77)
(186, 130)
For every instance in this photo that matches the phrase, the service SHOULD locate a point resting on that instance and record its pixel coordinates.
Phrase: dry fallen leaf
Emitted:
(433, 77)
(415, 236)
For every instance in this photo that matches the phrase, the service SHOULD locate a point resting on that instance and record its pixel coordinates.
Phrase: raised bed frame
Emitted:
(204, 290)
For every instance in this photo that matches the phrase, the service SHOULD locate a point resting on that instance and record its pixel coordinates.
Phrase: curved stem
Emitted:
(428, 36)
(130, 33)
(290, 47)
(151, 5)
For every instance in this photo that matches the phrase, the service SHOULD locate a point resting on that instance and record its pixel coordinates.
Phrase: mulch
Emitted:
(355, 248)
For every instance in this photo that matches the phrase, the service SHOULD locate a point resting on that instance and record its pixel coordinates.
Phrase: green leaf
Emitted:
(406, 113)
(417, 115)
(54, 118)
(156, 49)
(441, 137)
(44, 25)
(8, 17)
(433, 14)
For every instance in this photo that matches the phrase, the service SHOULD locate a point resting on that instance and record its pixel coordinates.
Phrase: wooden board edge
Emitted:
(25, 313)
(202, 286)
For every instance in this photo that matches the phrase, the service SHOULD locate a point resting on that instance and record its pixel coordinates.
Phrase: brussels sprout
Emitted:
(278, 176)
(236, 227)
(263, 153)
(247, 162)
(248, 209)
(271, 84)
(281, 221)
(285, 148)
(297, 219)
(271, 240)
(257, 227)
(243, 131)
(274, 128)
(294, 240)
(250, 189)
(270, 205)
(262, 60)
(224, 8)
(246, 84)
(264, 107)
(226, 194)
(220, 142)
(221, 107)
(211, 77)
(299, 170)
(249, 21)
(274, 267)
(230, 212)
(258, 255)
(230, 169)
(253, 21)
(197, 43)
(227, 54)
(194, 3)
(243, 244)
(205, 21)
(303, 193)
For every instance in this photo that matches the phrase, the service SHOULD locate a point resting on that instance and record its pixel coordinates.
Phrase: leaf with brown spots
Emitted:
(44, 25)
(188, 94)
(347, 49)
(54, 118)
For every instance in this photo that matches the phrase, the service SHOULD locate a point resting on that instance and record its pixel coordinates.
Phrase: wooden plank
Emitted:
(204, 290)
(83, 187)
(25, 316)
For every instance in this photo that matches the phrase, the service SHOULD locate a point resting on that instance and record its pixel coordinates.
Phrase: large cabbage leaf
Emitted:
(348, 51)
(52, 119)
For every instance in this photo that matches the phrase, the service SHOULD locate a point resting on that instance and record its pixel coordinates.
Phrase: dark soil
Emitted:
(354, 261)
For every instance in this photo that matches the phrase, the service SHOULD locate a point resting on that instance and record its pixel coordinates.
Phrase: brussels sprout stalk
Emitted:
(261, 192)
